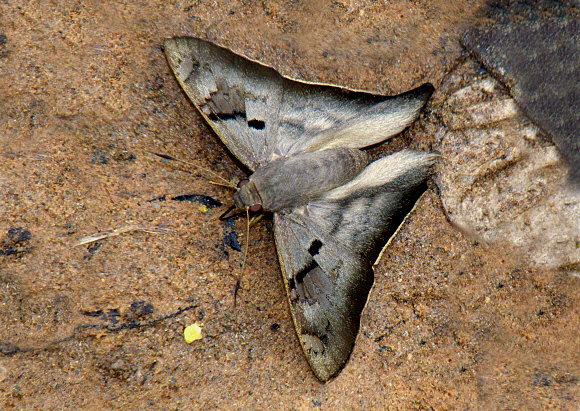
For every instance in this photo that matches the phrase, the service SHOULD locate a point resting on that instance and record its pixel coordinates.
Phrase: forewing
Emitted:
(239, 98)
(327, 249)
(320, 117)
(261, 115)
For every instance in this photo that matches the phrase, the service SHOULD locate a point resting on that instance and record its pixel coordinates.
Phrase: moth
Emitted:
(334, 210)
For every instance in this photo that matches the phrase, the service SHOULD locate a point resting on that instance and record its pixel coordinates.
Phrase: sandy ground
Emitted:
(86, 94)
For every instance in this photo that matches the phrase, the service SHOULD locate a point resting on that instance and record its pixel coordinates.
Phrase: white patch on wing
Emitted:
(312, 343)
(368, 130)
(184, 69)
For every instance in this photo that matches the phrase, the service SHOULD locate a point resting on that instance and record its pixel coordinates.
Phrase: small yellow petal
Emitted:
(203, 209)
(192, 333)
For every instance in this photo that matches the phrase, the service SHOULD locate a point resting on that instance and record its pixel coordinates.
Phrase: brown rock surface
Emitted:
(86, 94)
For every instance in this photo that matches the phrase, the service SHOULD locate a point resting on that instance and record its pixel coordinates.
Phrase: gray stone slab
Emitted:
(533, 47)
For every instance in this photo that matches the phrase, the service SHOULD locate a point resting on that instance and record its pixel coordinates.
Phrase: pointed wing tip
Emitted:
(423, 92)
(171, 47)
(324, 378)
(323, 372)
(419, 160)
(431, 158)
(174, 43)
(170, 44)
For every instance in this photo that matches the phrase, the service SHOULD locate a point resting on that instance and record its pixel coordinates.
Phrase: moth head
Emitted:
(247, 197)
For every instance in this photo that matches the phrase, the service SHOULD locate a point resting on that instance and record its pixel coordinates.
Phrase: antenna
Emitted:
(225, 183)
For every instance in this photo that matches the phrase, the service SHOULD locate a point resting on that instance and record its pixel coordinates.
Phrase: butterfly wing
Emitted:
(261, 115)
(327, 250)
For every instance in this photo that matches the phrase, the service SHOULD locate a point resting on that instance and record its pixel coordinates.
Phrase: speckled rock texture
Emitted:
(453, 322)
(534, 48)
(500, 178)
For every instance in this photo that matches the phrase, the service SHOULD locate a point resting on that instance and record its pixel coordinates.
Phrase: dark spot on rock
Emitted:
(231, 240)
(123, 155)
(18, 235)
(231, 222)
(92, 249)
(8, 349)
(113, 316)
(566, 378)
(156, 84)
(541, 380)
(141, 308)
(160, 199)
(100, 158)
(93, 314)
(15, 241)
(207, 201)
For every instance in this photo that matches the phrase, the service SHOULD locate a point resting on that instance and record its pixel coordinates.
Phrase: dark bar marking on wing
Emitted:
(315, 247)
(227, 116)
(257, 124)
(304, 272)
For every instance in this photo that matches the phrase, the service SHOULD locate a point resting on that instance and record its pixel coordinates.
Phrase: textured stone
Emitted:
(533, 47)
(499, 179)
